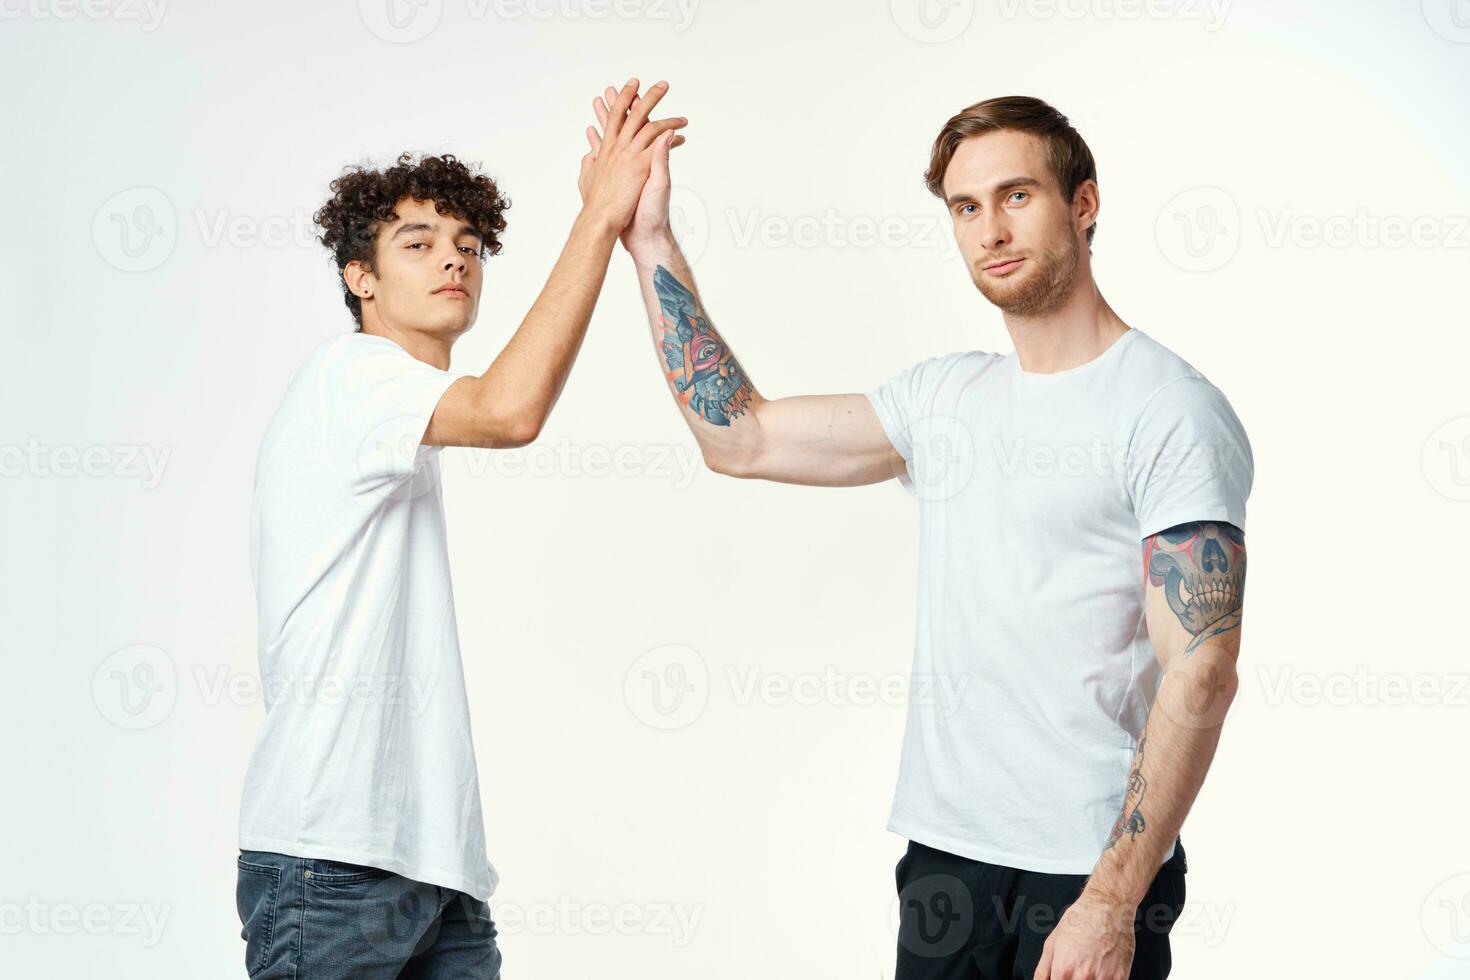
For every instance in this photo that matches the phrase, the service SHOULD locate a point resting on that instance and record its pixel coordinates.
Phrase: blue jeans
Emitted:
(311, 919)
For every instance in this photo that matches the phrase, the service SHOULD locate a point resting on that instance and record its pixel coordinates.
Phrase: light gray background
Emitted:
(1284, 204)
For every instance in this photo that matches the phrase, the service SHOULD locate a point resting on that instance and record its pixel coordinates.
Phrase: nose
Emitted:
(993, 232)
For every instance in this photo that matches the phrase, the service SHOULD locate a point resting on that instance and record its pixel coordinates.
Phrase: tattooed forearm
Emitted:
(1130, 821)
(700, 367)
(1201, 566)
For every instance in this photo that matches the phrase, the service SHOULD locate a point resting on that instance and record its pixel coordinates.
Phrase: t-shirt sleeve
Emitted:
(377, 400)
(905, 401)
(1188, 459)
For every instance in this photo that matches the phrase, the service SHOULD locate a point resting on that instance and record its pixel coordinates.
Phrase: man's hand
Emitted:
(616, 168)
(1093, 941)
(651, 215)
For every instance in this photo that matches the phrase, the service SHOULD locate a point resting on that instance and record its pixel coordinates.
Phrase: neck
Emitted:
(1078, 331)
(432, 349)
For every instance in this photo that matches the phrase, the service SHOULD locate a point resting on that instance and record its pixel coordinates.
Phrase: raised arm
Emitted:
(508, 404)
(819, 440)
(1195, 584)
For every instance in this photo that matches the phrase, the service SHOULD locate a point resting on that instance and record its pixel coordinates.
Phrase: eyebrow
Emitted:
(1010, 183)
(414, 229)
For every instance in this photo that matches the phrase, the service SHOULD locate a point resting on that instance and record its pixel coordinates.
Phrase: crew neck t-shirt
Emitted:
(1033, 670)
(365, 755)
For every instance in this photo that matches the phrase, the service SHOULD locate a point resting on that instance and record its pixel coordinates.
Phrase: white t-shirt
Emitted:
(1033, 671)
(365, 755)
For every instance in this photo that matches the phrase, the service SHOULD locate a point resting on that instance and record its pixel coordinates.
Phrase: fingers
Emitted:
(618, 110)
(658, 172)
(655, 129)
(593, 140)
(642, 108)
(1043, 968)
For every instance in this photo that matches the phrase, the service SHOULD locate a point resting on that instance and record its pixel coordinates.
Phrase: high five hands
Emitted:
(625, 174)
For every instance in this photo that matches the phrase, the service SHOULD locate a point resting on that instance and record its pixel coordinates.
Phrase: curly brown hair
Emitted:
(363, 200)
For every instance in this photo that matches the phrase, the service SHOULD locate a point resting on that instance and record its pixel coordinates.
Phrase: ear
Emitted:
(358, 278)
(1086, 204)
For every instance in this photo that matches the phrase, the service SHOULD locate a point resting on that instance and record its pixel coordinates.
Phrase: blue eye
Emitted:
(1021, 193)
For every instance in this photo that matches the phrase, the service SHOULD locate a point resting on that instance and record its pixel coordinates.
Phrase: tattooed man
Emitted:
(1082, 564)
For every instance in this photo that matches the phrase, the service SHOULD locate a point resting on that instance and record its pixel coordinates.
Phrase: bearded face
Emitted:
(1039, 285)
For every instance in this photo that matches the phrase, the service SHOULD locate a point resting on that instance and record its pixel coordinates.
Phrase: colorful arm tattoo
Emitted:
(702, 369)
(1201, 566)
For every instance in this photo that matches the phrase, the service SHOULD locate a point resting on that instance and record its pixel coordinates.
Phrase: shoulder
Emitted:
(941, 370)
(1155, 377)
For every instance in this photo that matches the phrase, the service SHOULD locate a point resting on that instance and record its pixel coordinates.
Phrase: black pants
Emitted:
(968, 920)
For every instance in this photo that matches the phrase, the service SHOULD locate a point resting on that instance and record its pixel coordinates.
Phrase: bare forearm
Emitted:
(1169, 767)
(716, 396)
(528, 376)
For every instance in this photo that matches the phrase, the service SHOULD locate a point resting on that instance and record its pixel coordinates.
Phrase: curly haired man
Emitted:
(362, 845)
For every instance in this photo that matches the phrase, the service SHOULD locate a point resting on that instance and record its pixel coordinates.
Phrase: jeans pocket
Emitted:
(342, 872)
(257, 894)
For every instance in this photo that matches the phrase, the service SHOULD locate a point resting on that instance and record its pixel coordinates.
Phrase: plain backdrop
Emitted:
(687, 690)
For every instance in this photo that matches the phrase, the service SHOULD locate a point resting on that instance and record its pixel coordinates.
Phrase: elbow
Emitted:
(511, 431)
(521, 431)
(739, 465)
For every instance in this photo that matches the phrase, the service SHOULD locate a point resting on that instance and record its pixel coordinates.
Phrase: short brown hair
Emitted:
(1066, 152)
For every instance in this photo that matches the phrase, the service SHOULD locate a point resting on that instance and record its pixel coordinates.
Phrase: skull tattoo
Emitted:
(1202, 569)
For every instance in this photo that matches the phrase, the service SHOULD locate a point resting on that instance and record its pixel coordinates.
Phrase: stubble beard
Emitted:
(1044, 290)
